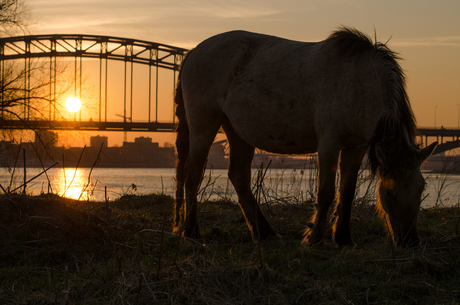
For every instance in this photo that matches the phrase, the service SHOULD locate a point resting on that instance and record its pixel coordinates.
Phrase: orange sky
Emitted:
(425, 33)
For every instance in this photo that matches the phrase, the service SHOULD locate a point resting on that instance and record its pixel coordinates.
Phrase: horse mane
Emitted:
(396, 130)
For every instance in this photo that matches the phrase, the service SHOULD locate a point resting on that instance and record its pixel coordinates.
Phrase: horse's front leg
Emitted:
(350, 163)
(327, 163)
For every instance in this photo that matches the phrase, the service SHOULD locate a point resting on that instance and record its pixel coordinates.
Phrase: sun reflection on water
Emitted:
(73, 183)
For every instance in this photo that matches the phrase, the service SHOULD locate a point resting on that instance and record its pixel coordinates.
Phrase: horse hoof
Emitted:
(313, 237)
(313, 240)
(193, 234)
(341, 242)
(175, 229)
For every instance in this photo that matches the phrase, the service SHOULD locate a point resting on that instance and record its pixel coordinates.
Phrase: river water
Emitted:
(278, 184)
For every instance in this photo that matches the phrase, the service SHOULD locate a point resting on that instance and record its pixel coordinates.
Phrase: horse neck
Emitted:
(398, 143)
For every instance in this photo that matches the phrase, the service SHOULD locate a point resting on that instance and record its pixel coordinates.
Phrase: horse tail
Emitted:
(182, 148)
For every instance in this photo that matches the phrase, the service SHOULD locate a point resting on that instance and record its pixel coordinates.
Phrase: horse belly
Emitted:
(277, 139)
(308, 145)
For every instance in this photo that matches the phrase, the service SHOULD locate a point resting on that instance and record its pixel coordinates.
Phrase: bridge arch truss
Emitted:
(105, 48)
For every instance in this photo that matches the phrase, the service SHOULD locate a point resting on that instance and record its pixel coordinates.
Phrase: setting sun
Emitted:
(73, 104)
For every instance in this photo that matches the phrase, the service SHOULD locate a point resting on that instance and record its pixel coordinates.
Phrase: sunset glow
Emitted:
(72, 183)
(429, 48)
(73, 104)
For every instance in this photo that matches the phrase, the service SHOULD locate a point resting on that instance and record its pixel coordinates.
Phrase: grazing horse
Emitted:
(341, 97)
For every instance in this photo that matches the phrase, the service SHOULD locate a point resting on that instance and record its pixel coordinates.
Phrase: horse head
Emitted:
(400, 193)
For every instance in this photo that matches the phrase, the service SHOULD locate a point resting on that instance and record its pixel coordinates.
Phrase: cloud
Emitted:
(57, 13)
(444, 41)
(165, 20)
(230, 10)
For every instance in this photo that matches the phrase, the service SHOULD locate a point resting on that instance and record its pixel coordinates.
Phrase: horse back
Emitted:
(281, 95)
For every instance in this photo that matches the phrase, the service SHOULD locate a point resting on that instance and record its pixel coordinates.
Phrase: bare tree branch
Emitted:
(14, 16)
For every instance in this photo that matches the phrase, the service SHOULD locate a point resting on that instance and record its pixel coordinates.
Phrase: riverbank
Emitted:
(61, 251)
(100, 183)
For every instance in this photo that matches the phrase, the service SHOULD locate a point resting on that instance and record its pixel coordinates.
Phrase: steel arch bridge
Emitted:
(106, 49)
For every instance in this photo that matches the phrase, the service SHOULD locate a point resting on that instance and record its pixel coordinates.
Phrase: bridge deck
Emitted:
(441, 132)
(155, 126)
(88, 125)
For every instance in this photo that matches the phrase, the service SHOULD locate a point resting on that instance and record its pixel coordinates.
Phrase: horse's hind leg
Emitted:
(199, 145)
(182, 147)
(350, 163)
(241, 154)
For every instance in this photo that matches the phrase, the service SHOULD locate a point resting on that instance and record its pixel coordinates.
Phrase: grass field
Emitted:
(58, 251)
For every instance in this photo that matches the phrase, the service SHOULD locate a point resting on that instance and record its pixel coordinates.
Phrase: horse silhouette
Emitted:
(341, 97)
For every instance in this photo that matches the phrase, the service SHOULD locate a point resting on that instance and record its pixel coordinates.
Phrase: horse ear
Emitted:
(380, 154)
(426, 152)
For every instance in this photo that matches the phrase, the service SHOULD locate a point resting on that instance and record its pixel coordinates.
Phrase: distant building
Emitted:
(45, 139)
(217, 157)
(97, 141)
(143, 140)
(141, 143)
(145, 153)
(8, 151)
